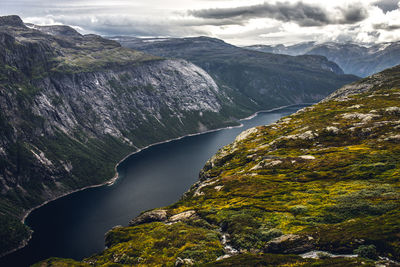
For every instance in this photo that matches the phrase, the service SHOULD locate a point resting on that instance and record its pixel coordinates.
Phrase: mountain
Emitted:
(255, 80)
(292, 50)
(352, 58)
(72, 106)
(319, 183)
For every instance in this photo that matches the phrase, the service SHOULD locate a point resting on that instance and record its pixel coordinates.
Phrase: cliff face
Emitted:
(253, 79)
(72, 106)
(319, 183)
(117, 101)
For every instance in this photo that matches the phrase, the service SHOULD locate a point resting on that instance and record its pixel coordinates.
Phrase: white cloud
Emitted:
(344, 20)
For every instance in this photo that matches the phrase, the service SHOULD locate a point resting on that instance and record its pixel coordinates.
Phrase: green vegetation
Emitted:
(12, 232)
(78, 60)
(326, 178)
(367, 252)
(136, 245)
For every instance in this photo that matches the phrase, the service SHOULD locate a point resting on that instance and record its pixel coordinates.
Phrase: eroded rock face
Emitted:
(11, 21)
(184, 262)
(186, 215)
(148, 92)
(149, 216)
(393, 110)
(245, 134)
(161, 216)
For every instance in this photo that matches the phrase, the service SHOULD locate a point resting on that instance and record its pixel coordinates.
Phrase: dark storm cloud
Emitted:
(387, 5)
(352, 14)
(301, 13)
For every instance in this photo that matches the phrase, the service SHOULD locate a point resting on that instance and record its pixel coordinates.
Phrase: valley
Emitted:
(151, 140)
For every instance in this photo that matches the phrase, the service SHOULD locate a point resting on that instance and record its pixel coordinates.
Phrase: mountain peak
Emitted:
(12, 20)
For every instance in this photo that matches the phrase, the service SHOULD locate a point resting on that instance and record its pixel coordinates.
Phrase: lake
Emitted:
(74, 226)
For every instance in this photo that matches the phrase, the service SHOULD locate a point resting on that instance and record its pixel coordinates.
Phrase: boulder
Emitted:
(184, 262)
(186, 215)
(149, 216)
(290, 244)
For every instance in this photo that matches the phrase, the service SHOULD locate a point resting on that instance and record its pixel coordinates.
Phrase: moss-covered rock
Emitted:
(158, 243)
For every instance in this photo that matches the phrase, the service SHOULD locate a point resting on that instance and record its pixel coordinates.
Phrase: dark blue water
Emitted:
(74, 226)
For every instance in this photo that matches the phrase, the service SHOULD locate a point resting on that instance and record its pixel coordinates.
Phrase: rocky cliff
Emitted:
(254, 80)
(72, 106)
(318, 188)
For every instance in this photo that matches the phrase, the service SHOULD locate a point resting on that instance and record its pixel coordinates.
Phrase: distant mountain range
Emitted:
(352, 58)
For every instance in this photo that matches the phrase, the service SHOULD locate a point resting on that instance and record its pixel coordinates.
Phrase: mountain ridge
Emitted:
(353, 58)
(264, 78)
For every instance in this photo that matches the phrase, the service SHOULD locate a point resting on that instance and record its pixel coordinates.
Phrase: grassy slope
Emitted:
(326, 174)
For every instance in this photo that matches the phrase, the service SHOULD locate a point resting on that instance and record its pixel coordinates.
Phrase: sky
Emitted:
(240, 22)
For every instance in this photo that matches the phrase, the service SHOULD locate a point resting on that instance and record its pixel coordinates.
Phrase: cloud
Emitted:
(241, 22)
(110, 25)
(386, 26)
(352, 14)
(387, 5)
(304, 14)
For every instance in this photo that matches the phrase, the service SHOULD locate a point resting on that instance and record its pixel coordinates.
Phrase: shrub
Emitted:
(299, 209)
(270, 234)
(323, 255)
(367, 251)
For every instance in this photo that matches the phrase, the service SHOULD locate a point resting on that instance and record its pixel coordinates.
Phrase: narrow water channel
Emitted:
(74, 226)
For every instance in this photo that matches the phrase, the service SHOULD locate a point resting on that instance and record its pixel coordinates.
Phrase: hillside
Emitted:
(253, 79)
(319, 183)
(352, 58)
